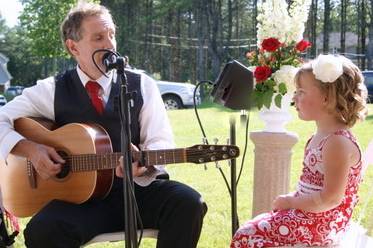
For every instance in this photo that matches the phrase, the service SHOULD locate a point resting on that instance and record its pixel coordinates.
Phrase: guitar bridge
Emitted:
(31, 174)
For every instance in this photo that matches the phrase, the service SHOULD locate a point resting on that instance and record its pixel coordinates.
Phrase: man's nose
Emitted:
(109, 44)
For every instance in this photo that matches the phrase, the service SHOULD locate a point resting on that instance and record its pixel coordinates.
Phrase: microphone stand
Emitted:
(234, 217)
(126, 101)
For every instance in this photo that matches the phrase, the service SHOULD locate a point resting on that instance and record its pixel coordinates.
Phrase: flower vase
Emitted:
(276, 118)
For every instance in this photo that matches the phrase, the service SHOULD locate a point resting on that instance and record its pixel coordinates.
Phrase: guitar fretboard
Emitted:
(89, 162)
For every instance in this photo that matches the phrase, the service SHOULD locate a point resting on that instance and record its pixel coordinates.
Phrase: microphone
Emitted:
(109, 60)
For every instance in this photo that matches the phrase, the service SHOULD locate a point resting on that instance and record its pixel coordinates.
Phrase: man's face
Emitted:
(98, 32)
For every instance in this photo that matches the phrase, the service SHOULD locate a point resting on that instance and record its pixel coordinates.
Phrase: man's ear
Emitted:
(71, 45)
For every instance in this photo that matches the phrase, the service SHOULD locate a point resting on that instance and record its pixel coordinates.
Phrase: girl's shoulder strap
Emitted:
(342, 132)
(348, 135)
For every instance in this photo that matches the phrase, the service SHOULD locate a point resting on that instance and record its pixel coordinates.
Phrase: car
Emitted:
(177, 95)
(14, 90)
(3, 100)
(368, 80)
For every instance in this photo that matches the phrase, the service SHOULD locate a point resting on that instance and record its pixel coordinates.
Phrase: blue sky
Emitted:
(10, 10)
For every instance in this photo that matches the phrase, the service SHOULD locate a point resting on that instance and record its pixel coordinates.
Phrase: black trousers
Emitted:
(173, 208)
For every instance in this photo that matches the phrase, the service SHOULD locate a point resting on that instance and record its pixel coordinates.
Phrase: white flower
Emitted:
(327, 68)
(286, 75)
(274, 20)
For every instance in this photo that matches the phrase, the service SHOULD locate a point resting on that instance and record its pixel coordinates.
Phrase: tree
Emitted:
(344, 4)
(42, 19)
(23, 66)
(327, 26)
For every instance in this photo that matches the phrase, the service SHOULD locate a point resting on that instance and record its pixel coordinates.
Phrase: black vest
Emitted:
(72, 104)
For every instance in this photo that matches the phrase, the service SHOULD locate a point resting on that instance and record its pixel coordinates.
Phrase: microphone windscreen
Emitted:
(108, 59)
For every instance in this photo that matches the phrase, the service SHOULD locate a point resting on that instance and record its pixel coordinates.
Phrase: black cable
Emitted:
(103, 50)
(245, 149)
(203, 131)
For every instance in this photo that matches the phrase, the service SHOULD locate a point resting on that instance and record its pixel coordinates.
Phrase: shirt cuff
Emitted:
(9, 141)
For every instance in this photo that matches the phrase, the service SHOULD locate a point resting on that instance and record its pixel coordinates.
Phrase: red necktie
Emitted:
(93, 89)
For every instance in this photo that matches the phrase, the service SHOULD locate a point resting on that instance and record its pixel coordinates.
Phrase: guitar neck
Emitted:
(90, 162)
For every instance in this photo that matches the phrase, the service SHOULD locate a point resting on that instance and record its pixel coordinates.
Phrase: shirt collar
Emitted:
(105, 82)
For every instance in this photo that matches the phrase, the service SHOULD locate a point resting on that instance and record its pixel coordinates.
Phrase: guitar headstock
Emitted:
(210, 153)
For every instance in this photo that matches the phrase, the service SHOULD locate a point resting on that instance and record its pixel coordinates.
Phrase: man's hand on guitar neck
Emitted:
(46, 161)
(137, 170)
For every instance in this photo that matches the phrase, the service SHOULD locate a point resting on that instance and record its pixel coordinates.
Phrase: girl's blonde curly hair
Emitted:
(346, 96)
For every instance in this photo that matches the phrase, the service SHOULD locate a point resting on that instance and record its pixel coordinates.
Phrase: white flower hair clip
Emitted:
(327, 68)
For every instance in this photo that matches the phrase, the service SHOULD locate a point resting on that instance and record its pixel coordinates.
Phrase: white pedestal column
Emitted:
(271, 167)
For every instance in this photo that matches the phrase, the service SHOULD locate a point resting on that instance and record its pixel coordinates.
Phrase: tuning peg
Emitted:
(205, 166)
(217, 165)
(228, 141)
(216, 140)
(204, 140)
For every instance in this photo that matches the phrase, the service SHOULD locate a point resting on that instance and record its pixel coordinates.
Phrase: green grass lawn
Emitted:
(217, 226)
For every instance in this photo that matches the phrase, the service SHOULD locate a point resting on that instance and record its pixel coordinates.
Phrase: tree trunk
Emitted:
(370, 42)
(327, 26)
(313, 27)
(344, 4)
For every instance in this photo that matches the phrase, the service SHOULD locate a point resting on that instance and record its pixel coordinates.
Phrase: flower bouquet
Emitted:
(280, 44)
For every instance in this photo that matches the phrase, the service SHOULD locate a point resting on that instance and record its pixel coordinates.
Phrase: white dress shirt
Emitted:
(38, 101)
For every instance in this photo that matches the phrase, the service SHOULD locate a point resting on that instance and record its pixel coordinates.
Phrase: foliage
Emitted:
(24, 67)
(42, 19)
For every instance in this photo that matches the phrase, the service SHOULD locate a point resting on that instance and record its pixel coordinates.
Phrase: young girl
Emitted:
(331, 92)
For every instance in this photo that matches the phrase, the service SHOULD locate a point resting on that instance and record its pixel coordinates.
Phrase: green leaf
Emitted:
(257, 98)
(267, 98)
(282, 88)
(278, 99)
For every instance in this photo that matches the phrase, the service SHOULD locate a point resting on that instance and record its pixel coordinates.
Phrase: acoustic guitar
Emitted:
(89, 169)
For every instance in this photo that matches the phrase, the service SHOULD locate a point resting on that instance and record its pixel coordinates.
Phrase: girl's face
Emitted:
(309, 101)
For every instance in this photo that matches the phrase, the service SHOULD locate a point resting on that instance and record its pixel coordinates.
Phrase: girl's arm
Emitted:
(338, 154)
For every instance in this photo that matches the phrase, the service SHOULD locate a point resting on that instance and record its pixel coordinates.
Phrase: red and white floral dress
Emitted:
(295, 227)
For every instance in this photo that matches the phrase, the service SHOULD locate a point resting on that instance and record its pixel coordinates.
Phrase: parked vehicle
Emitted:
(177, 95)
(368, 80)
(14, 90)
(3, 100)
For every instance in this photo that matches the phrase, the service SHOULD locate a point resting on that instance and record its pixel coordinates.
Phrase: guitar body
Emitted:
(22, 200)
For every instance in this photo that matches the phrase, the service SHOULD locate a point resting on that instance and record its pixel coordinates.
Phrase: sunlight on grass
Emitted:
(217, 226)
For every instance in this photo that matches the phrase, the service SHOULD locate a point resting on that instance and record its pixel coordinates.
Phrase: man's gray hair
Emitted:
(71, 26)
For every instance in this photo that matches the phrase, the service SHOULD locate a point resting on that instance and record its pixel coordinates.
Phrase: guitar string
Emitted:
(81, 162)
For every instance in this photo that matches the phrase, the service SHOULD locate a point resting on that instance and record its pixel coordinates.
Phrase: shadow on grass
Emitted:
(369, 118)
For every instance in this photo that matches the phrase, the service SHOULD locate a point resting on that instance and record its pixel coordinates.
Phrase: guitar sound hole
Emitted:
(65, 170)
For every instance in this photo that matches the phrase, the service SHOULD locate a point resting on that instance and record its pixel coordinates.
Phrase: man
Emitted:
(174, 209)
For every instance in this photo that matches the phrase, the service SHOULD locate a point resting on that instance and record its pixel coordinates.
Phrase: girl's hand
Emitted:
(282, 202)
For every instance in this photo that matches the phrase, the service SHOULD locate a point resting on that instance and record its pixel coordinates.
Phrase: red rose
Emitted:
(302, 45)
(271, 44)
(261, 73)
